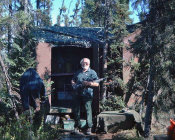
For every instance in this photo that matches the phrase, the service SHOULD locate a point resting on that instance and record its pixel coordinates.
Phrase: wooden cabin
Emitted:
(59, 51)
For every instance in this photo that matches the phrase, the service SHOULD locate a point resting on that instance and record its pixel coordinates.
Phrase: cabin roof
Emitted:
(75, 36)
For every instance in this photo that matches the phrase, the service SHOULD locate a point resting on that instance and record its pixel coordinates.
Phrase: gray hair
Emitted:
(85, 58)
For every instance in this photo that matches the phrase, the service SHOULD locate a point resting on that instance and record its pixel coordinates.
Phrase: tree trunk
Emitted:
(105, 47)
(61, 9)
(9, 28)
(9, 86)
(37, 7)
(149, 108)
(26, 6)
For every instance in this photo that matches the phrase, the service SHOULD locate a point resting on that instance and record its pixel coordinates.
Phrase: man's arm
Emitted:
(94, 84)
(91, 84)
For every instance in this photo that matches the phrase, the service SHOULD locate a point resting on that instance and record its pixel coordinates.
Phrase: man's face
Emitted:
(85, 64)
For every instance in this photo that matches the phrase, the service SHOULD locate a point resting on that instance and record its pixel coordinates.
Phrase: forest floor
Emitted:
(120, 135)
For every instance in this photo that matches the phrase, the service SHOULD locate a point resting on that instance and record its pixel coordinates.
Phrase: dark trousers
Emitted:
(87, 103)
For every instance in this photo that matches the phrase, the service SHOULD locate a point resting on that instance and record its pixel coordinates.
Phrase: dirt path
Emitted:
(94, 136)
(91, 137)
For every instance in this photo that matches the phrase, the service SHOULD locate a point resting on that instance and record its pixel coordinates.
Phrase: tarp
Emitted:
(112, 121)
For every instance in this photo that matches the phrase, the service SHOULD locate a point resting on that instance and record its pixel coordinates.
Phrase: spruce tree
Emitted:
(119, 21)
(155, 48)
(113, 16)
(20, 55)
(43, 12)
(21, 58)
(64, 16)
(93, 13)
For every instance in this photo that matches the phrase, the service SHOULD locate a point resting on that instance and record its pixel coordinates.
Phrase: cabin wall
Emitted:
(127, 57)
(43, 58)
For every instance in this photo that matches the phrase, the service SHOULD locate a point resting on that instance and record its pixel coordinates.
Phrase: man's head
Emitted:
(85, 63)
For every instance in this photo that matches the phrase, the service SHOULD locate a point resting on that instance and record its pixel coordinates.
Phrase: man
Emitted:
(32, 92)
(83, 84)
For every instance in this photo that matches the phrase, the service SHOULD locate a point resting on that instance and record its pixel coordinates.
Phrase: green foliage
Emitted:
(90, 14)
(44, 18)
(94, 13)
(21, 56)
(112, 103)
(14, 131)
(119, 19)
(22, 129)
(48, 86)
(113, 15)
(135, 65)
(42, 15)
(23, 18)
(6, 110)
(16, 43)
(64, 17)
(2, 83)
(47, 132)
(19, 60)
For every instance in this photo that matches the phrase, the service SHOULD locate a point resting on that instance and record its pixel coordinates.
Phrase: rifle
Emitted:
(80, 85)
(99, 80)
(105, 83)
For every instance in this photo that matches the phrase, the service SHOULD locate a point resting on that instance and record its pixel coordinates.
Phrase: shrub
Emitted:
(112, 103)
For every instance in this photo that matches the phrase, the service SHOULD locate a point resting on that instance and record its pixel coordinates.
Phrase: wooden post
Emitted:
(96, 68)
(105, 48)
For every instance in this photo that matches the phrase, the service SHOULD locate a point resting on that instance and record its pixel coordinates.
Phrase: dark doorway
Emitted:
(64, 63)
